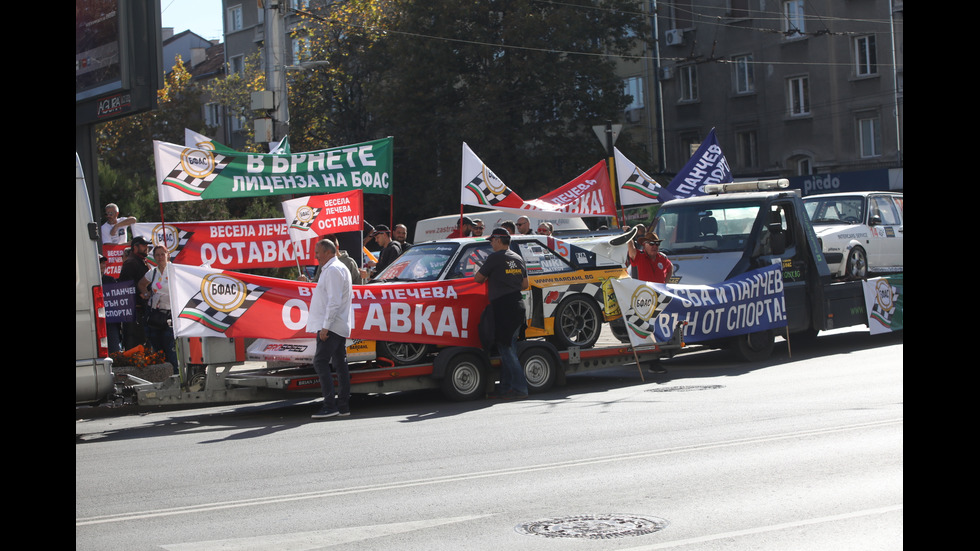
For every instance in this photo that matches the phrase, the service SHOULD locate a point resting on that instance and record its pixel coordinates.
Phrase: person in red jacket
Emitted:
(651, 264)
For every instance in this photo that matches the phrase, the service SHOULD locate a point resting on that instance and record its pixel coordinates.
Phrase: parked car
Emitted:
(861, 232)
(567, 304)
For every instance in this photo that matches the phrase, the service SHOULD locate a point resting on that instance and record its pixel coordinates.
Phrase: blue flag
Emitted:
(707, 166)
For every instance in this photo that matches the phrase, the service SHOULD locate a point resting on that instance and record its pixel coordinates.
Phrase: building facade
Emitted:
(792, 87)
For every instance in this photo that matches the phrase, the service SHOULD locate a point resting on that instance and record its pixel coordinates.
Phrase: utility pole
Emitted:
(273, 101)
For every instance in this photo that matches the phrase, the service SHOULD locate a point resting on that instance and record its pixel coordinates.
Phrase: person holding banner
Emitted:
(506, 276)
(331, 319)
(155, 289)
(653, 266)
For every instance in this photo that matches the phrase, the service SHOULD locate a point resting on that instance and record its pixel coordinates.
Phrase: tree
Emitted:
(521, 81)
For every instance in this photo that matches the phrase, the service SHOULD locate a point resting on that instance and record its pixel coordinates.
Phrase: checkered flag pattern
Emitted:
(192, 184)
(305, 225)
(200, 311)
(484, 194)
(594, 290)
(639, 183)
(644, 327)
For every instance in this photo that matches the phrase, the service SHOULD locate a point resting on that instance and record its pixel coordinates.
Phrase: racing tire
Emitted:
(465, 377)
(540, 369)
(754, 347)
(404, 353)
(578, 322)
(857, 264)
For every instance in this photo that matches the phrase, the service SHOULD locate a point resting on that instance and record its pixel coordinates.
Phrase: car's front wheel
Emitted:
(857, 264)
(578, 322)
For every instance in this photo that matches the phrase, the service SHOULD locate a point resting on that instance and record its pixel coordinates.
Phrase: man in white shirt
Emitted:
(114, 230)
(331, 318)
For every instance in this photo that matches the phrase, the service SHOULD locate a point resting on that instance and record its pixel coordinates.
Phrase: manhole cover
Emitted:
(594, 527)
(690, 388)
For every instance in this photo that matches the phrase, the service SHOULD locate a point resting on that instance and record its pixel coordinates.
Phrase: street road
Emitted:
(801, 453)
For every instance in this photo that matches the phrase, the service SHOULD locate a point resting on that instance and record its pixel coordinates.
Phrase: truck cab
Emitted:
(715, 237)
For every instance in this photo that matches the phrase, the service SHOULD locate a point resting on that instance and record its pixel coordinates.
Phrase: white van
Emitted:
(93, 367)
(441, 226)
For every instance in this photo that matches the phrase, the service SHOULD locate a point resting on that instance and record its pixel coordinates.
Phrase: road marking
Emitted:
(260, 501)
(771, 528)
(302, 541)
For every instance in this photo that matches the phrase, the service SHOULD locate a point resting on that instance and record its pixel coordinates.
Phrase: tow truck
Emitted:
(738, 227)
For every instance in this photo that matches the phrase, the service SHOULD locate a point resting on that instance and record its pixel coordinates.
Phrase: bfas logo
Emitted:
(198, 163)
(222, 292)
(644, 302)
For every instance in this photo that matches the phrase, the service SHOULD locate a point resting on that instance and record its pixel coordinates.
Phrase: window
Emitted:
(633, 87)
(804, 166)
(681, 14)
(236, 64)
(738, 9)
(798, 94)
(298, 50)
(235, 21)
(793, 21)
(212, 114)
(869, 136)
(745, 149)
(865, 56)
(744, 74)
(689, 82)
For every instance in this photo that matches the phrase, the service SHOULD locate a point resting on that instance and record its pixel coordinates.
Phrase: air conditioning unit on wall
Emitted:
(675, 37)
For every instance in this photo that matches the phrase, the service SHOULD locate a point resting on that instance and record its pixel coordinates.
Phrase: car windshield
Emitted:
(835, 210)
(693, 228)
(424, 262)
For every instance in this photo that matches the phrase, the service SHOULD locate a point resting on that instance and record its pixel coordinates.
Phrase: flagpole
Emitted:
(611, 161)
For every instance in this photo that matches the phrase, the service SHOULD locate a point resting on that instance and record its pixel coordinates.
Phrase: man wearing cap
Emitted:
(464, 229)
(390, 249)
(505, 273)
(651, 264)
(133, 270)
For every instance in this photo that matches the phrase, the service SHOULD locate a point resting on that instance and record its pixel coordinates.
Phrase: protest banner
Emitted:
(706, 166)
(113, 254)
(217, 303)
(192, 174)
(884, 303)
(229, 244)
(120, 301)
(748, 303)
(480, 187)
(587, 195)
(309, 217)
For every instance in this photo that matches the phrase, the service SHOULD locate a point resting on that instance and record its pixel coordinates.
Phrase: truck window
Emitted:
(690, 228)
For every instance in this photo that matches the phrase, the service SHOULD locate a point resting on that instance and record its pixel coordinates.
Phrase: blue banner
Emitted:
(747, 303)
(706, 166)
(120, 301)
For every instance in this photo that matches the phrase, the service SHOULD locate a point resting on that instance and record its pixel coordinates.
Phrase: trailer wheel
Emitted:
(403, 353)
(540, 369)
(857, 264)
(577, 323)
(754, 347)
(465, 377)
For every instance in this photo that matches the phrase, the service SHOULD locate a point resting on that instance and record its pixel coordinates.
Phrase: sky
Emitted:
(202, 17)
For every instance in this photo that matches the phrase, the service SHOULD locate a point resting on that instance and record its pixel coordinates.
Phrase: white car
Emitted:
(860, 232)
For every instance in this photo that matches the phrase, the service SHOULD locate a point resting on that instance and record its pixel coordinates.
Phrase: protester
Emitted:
(330, 319)
(506, 276)
(133, 270)
(509, 226)
(478, 227)
(390, 249)
(464, 228)
(113, 330)
(524, 226)
(653, 266)
(401, 236)
(545, 228)
(114, 230)
(155, 289)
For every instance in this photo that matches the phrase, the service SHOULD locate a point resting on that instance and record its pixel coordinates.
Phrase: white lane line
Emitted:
(204, 507)
(770, 528)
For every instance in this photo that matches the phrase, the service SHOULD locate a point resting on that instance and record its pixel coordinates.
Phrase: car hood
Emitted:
(841, 231)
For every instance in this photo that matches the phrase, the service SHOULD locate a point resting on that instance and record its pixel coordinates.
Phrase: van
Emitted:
(93, 367)
(441, 226)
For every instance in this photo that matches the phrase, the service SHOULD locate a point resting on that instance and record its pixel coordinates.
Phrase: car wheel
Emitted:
(403, 353)
(540, 369)
(857, 264)
(754, 347)
(577, 323)
(465, 377)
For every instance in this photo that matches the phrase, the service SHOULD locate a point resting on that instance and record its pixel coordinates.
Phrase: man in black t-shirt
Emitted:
(506, 276)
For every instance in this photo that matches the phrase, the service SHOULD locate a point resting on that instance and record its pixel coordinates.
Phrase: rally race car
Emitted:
(567, 301)
(860, 232)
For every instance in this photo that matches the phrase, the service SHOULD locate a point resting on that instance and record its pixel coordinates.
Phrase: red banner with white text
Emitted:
(229, 244)
(217, 303)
